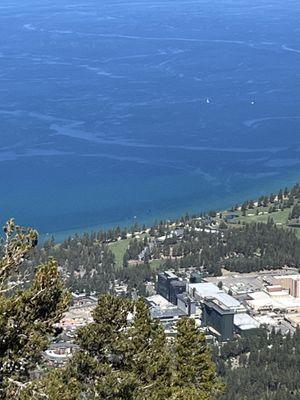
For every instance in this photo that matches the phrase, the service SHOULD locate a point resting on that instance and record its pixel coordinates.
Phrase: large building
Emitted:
(290, 283)
(274, 299)
(218, 308)
(163, 283)
(169, 286)
(201, 291)
(164, 311)
(218, 318)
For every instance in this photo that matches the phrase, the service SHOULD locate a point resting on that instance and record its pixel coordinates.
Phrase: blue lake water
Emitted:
(111, 109)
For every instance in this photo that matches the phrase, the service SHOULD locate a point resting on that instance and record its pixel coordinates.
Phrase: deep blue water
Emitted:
(111, 109)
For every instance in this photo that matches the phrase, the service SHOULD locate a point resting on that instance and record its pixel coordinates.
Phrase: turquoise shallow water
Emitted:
(111, 110)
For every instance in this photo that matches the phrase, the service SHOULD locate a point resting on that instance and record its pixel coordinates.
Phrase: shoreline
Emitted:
(218, 205)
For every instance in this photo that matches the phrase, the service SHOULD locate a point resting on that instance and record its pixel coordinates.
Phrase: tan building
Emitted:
(290, 283)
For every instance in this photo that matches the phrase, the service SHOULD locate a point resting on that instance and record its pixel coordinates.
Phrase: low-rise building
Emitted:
(162, 309)
(291, 283)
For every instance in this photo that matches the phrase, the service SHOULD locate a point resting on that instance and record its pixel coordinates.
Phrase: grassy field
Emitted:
(155, 264)
(279, 217)
(119, 248)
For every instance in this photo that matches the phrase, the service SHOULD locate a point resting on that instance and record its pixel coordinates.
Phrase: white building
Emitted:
(203, 290)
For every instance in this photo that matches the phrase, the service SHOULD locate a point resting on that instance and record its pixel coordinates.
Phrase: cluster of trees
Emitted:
(285, 198)
(28, 311)
(86, 264)
(89, 265)
(253, 247)
(261, 366)
(261, 246)
(135, 248)
(123, 354)
(114, 234)
(136, 278)
(124, 360)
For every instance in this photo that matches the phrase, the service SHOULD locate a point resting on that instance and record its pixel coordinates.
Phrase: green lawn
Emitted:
(280, 217)
(119, 248)
(155, 264)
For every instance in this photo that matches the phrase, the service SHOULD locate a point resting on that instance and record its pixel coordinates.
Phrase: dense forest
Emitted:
(89, 265)
(252, 247)
(261, 366)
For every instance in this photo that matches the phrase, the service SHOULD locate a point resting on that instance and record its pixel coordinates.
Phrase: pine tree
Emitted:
(28, 312)
(106, 336)
(195, 373)
(150, 357)
(125, 356)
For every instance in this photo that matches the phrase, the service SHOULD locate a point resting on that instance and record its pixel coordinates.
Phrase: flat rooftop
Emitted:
(277, 300)
(295, 277)
(208, 289)
(251, 282)
(178, 283)
(227, 300)
(169, 274)
(220, 308)
(166, 313)
(245, 322)
(204, 289)
(158, 301)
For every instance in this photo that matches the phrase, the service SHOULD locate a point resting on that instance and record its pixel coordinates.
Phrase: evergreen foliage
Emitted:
(124, 355)
(28, 312)
(194, 372)
(253, 247)
(261, 366)
(88, 265)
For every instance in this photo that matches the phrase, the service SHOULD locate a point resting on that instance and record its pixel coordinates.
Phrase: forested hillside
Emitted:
(88, 265)
(252, 247)
(261, 366)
